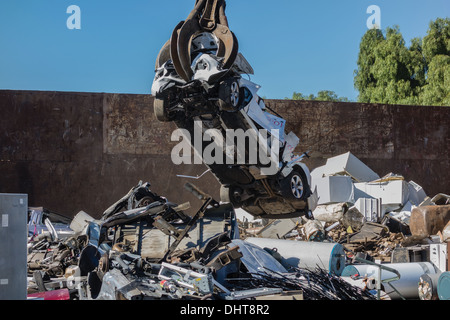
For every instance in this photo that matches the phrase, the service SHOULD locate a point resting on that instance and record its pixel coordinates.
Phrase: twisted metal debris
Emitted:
(316, 284)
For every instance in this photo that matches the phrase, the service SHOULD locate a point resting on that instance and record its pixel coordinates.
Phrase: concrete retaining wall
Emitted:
(82, 151)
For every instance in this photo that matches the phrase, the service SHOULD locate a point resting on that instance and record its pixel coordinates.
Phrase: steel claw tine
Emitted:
(181, 58)
(210, 14)
(163, 55)
(187, 31)
(174, 52)
(181, 40)
(223, 20)
(228, 45)
(199, 6)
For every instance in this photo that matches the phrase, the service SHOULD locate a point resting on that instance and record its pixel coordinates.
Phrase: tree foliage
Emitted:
(324, 95)
(390, 72)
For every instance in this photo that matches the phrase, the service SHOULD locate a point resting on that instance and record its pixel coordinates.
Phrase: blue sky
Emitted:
(302, 46)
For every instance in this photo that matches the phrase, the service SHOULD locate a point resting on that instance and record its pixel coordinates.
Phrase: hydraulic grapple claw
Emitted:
(207, 16)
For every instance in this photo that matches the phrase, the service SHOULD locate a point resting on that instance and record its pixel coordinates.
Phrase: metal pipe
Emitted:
(302, 254)
(406, 286)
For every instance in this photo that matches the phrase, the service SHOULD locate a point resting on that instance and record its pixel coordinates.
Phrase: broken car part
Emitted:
(187, 278)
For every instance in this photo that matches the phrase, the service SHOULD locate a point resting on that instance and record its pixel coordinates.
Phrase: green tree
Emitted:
(365, 80)
(437, 40)
(324, 95)
(436, 51)
(385, 72)
(437, 89)
(390, 72)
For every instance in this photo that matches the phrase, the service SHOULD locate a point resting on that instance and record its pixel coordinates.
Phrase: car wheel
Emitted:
(229, 95)
(294, 186)
(159, 106)
(145, 201)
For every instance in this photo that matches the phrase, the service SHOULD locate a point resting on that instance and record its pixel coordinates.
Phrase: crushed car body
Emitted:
(42, 221)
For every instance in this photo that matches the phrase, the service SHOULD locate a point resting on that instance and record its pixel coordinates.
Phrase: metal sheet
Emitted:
(350, 165)
(334, 189)
(393, 194)
(13, 249)
(277, 229)
(302, 254)
(256, 259)
(370, 209)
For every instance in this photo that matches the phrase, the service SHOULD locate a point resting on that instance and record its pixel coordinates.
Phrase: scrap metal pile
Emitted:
(145, 247)
(340, 232)
(374, 222)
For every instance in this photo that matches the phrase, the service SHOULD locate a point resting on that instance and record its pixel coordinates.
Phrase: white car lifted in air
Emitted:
(223, 100)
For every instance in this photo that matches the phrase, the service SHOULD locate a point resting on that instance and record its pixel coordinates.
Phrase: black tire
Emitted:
(159, 106)
(230, 95)
(295, 186)
(145, 201)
